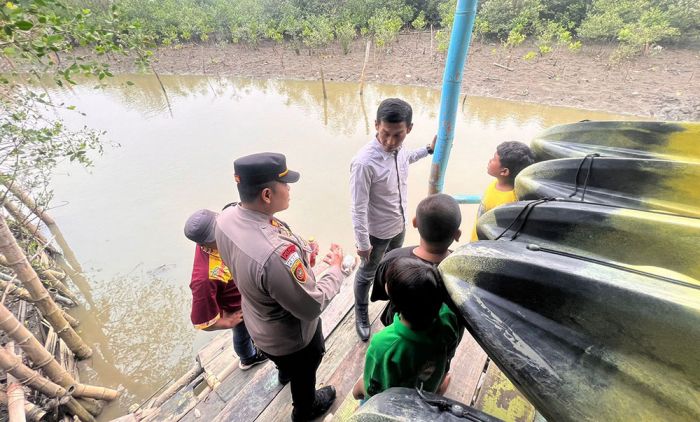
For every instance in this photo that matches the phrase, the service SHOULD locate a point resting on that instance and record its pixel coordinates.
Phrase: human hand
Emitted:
(334, 257)
(314, 251)
(365, 254)
(231, 319)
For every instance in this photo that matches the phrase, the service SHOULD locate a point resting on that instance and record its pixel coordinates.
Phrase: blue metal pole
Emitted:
(467, 199)
(451, 87)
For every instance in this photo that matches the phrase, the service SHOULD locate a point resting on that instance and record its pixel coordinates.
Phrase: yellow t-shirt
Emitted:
(491, 199)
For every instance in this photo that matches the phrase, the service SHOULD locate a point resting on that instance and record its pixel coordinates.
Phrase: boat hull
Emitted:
(676, 141)
(581, 340)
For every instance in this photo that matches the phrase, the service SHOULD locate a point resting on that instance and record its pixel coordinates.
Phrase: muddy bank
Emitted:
(664, 85)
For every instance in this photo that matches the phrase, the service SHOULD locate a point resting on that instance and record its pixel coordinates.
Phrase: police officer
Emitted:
(282, 299)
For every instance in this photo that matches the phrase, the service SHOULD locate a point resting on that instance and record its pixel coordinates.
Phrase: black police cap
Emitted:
(261, 168)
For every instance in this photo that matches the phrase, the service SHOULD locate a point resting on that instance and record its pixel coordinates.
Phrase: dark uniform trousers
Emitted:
(301, 367)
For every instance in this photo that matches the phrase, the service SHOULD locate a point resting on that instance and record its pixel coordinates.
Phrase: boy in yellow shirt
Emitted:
(508, 160)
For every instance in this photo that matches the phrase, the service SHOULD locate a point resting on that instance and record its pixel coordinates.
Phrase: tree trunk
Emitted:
(18, 262)
(48, 220)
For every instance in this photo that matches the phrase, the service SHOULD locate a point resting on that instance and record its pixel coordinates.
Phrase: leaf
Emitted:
(71, 107)
(129, 83)
(24, 25)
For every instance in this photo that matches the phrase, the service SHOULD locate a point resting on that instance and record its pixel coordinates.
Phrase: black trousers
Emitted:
(301, 367)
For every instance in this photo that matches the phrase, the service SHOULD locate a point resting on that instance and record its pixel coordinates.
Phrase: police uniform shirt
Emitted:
(282, 299)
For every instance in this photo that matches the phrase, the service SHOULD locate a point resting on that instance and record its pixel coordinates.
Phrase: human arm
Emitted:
(442, 389)
(358, 391)
(226, 320)
(422, 152)
(205, 312)
(294, 286)
(380, 370)
(360, 185)
(379, 285)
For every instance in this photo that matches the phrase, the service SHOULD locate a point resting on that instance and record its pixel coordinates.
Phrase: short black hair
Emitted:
(395, 110)
(414, 287)
(438, 218)
(515, 156)
(250, 193)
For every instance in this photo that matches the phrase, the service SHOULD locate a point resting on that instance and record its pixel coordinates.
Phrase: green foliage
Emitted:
(447, 17)
(419, 22)
(503, 16)
(637, 24)
(515, 38)
(530, 55)
(552, 35)
(306, 23)
(317, 32)
(442, 38)
(384, 27)
(345, 33)
(653, 26)
(38, 42)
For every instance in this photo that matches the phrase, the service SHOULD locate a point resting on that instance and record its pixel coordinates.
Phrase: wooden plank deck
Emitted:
(223, 392)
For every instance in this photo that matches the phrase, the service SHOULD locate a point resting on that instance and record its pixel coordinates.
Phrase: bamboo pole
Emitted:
(34, 350)
(59, 299)
(78, 279)
(47, 219)
(323, 84)
(57, 274)
(12, 289)
(59, 286)
(364, 66)
(15, 392)
(23, 294)
(18, 262)
(95, 392)
(33, 412)
(91, 405)
(177, 385)
(11, 364)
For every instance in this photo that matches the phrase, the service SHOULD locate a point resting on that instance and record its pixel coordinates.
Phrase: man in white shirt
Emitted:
(378, 186)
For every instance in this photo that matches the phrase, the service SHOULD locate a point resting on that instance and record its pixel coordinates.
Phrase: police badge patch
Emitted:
(292, 260)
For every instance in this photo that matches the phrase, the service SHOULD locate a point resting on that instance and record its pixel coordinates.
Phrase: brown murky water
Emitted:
(124, 217)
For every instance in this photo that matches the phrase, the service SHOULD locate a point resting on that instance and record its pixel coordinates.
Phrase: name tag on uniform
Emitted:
(292, 260)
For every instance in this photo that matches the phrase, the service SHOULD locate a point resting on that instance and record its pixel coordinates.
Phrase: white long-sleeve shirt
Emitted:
(379, 191)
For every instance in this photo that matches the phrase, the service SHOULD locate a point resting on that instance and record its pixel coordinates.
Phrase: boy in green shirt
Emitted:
(414, 351)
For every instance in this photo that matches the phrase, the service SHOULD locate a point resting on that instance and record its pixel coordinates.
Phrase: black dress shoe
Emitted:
(362, 329)
(322, 402)
(362, 322)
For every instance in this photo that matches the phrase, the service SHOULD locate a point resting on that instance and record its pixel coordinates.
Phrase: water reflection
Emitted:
(137, 333)
(343, 107)
(124, 217)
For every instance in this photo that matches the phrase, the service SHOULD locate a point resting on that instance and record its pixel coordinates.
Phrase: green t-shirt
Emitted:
(400, 357)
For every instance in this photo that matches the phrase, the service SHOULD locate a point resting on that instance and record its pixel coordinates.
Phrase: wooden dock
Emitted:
(216, 389)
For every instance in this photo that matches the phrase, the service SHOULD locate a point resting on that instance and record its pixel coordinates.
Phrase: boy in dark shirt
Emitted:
(437, 219)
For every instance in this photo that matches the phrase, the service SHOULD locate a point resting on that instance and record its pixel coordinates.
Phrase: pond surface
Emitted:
(124, 216)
